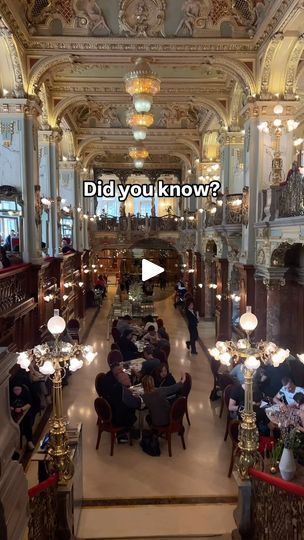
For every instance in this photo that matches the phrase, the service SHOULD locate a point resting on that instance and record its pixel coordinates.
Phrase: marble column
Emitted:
(49, 144)
(13, 483)
(232, 161)
(223, 306)
(274, 282)
(209, 315)
(70, 190)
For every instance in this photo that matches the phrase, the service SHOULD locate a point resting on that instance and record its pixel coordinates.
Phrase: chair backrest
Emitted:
(98, 379)
(234, 430)
(224, 379)
(227, 393)
(178, 410)
(187, 385)
(103, 410)
(115, 334)
(73, 324)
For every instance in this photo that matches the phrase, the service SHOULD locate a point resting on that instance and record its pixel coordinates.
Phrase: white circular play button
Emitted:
(149, 270)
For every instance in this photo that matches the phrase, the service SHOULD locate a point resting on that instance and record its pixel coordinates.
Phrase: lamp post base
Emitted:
(58, 458)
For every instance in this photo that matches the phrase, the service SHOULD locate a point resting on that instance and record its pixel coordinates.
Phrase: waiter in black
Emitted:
(192, 319)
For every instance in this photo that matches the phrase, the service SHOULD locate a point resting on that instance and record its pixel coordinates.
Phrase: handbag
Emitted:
(150, 443)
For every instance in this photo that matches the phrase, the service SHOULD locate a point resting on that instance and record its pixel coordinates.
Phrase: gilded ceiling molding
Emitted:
(237, 69)
(83, 144)
(183, 158)
(142, 18)
(292, 68)
(189, 144)
(216, 108)
(282, 12)
(44, 65)
(13, 60)
(267, 62)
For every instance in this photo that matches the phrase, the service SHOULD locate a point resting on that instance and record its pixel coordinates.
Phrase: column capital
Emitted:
(230, 138)
(70, 164)
(23, 106)
(51, 135)
(265, 109)
(273, 277)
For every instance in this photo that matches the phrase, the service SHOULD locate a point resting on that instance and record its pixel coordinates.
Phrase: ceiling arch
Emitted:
(11, 69)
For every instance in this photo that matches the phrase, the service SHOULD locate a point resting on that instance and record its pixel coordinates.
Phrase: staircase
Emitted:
(211, 520)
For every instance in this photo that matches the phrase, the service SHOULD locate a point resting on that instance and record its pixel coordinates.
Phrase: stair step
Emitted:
(157, 522)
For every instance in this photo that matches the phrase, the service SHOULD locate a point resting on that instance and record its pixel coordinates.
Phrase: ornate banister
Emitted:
(43, 510)
(277, 508)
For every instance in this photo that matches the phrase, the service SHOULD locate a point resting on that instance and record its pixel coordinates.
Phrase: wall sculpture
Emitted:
(144, 18)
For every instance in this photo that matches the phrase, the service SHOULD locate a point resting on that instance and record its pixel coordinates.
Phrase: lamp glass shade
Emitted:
(252, 363)
(248, 321)
(24, 361)
(139, 163)
(142, 103)
(139, 133)
(56, 325)
(47, 368)
(75, 364)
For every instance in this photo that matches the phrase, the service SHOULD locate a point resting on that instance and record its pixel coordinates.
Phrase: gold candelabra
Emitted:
(250, 355)
(53, 360)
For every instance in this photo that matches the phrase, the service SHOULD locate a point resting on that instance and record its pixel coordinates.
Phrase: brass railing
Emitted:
(42, 523)
(277, 508)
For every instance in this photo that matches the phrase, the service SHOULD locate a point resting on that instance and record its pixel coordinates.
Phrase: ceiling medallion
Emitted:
(142, 84)
(142, 17)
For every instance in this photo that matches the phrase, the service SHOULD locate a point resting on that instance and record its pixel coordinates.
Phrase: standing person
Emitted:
(192, 319)
(4, 260)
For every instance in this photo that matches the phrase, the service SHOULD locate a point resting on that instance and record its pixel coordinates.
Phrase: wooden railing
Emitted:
(277, 508)
(43, 514)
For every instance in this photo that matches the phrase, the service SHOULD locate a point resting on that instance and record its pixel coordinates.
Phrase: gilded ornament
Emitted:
(142, 18)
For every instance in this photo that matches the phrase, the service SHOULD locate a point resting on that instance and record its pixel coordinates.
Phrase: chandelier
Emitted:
(138, 152)
(275, 128)
(139, 120)
(53, 360)
(142, 84)
(251, 355)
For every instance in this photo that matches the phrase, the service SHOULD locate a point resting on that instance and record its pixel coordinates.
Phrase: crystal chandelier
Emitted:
(251, 355)
(53, 360)
(142, 84)
(138, 152)
(139, 120)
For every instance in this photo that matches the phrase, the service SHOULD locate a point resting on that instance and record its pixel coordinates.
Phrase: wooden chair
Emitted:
(104, 422)
(115, 334)
(98, 379)
(234, 436)
(224, 381)
(178, 410)
(227, 393)
(73, 328)
(185, 392)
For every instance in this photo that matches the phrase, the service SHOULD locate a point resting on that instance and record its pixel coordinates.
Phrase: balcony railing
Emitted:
(284, 201)
(147, 224)
(277, 508)
(229, 210)
(43, 510)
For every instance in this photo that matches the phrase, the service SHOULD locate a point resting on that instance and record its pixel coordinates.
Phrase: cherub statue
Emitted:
(192, 11)
(91, 10)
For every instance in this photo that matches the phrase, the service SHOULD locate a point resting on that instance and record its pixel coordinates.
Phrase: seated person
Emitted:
(125, 323)
(299, 399)
(66, 247)
(286, 394)
(21, 402)
(270, 378)
(151, 336)
(4, 260)
(115, 360)
(163, 377)
(149, 321)
(127, 346)
(238, 373)
(161, 330)
(150, 363)
(156, 400)
(236, 403)
(121, 401)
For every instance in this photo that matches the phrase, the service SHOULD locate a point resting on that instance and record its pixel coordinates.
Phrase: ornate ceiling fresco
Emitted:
(212, 56)
(144, 18)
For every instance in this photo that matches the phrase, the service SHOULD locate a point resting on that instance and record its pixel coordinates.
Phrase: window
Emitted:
(10, 212)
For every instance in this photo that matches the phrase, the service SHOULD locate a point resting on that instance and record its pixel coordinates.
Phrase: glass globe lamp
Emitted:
(139, 133)
(56, 325)
(248, 321)
(143, 103)
(139, 163)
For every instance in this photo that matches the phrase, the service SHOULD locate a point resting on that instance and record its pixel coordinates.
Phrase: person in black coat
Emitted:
(192, 319)
(127, 347)
(121, 401)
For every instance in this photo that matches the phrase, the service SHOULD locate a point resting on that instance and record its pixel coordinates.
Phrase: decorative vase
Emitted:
(287, 465)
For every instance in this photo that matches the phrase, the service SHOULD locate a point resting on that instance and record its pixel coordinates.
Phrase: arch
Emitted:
(238, 70)
(194, 147)
(292, 67)
(216, 108)
(41, 68)
(11, 78)
(81, 147)
(184, 158)
(267, 63)
(63, 105)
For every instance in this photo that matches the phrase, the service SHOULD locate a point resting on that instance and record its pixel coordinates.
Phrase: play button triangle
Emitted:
(150, 270)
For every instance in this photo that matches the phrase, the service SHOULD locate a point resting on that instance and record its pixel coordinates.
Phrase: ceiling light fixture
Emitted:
(142, 84)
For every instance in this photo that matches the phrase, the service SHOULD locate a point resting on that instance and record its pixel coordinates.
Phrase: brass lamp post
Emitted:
(251, 355)
(53, 360)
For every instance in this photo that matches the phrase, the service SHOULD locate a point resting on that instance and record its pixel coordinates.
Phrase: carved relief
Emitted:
(142, 17)
(275, 40)
(293, 66)
(93, 112)
(261, 257)
(37, 11)
(182, 116)
(195, 15)
(90, 15)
